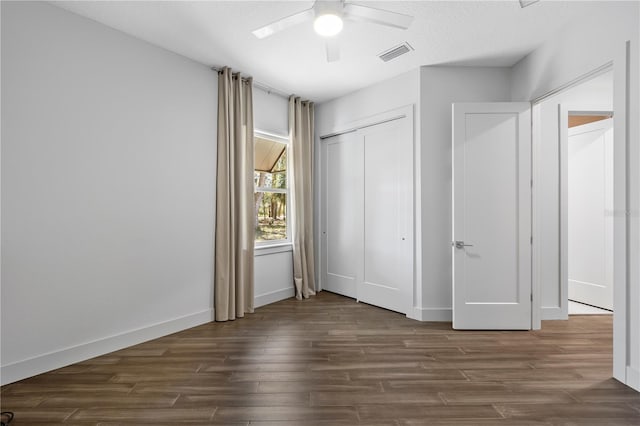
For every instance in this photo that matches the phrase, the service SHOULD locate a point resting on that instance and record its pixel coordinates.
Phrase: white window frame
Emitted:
(285, 244)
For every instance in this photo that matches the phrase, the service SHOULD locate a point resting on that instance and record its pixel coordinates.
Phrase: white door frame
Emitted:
(621, 315)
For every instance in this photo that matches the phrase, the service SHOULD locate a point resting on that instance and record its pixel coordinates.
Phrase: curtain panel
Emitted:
(234, 235)
(301, 131)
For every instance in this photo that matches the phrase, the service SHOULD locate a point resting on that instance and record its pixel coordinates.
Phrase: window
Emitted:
(271, 194)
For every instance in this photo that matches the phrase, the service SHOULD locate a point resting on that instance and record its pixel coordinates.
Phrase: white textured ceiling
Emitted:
(218, 33)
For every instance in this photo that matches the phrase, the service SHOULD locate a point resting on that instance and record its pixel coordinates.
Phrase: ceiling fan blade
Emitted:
(333, 50)
(284, 23)
(377, 16)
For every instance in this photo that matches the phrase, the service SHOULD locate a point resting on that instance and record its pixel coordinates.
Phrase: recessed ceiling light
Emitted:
(327, 25)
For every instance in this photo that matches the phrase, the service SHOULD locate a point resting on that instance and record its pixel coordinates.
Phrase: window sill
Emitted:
(272, 249)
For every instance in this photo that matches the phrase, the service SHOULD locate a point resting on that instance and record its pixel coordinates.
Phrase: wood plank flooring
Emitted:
(331, 361)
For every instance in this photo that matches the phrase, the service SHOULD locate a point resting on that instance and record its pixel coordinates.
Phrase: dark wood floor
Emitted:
(331, 361)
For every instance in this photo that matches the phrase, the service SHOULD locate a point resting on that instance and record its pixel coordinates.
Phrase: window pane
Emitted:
(270, 180)
(267, 152)
(270, 216)
(271, 164)
(270, 174)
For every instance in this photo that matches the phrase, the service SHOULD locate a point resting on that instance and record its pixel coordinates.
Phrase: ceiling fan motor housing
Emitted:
(328, 7)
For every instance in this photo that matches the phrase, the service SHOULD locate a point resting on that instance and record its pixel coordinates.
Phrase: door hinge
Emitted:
(532, 297)
(531, 183)
(531, 240)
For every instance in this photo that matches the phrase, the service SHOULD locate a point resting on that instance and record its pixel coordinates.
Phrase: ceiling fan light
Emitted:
(327, 25)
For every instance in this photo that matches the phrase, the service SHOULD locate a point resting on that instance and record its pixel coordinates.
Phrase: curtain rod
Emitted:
(270, 90)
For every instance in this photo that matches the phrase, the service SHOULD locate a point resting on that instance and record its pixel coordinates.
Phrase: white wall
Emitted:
(439, 88)
(581, 48)
(273, 268)
(432, 90)
(384, 96)
(108, 186)
(108, 191)
(270, 112)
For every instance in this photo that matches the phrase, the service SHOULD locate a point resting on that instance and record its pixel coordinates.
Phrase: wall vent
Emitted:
(396, 51)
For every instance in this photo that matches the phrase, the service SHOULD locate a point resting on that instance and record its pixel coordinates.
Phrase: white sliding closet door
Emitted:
(342, 201)
(388, 216)
(367, 211)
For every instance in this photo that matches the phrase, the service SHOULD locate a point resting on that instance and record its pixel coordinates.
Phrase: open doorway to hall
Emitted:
(576, 214)
(589, 193)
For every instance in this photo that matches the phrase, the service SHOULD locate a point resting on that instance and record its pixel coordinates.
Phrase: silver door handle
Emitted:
(460, 244)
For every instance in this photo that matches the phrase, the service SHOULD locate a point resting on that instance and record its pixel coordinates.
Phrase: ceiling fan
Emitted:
(328, 16)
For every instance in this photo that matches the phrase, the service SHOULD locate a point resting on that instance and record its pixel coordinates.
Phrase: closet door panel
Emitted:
(388, 211)
(342, 213)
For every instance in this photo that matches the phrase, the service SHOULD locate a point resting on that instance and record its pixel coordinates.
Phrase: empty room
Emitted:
(320, 212)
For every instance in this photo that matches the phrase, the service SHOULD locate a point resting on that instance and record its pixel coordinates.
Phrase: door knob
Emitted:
(460, 244)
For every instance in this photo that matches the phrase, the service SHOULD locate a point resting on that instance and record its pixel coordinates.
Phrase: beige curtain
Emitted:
(233, 285)
(301, 131)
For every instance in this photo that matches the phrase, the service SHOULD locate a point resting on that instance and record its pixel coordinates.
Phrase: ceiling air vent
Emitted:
(396, 51)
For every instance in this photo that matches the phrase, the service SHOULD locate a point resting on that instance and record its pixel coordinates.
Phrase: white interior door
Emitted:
(590, 213)
(387, 254)
(342, 211)
(492, 216)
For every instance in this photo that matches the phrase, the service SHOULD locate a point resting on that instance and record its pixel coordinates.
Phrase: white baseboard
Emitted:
(553, 313)
(50, 361)
(446, 314)
(273, 296)
(431, 314)
(633, 378)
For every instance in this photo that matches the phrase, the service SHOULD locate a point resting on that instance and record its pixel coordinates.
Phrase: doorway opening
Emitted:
(588, 138)
(574, 207)
(577, 173)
